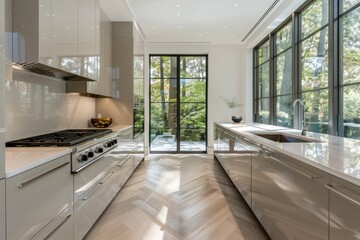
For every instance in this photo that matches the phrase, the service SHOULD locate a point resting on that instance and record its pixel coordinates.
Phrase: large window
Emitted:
(322, 33)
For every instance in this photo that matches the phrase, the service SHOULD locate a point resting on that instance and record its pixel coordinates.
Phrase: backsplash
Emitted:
(37, 104)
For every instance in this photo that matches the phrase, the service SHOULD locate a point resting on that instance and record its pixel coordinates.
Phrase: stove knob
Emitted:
(90, 154)
(99, 150)
(108, 144)
(112, 143)
(115, 141)
(82, 158)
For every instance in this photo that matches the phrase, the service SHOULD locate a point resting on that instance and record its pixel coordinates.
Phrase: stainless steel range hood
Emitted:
(33, 37)
(49, 71)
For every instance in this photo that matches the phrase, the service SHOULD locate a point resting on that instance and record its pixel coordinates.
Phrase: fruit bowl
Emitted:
(103, 122)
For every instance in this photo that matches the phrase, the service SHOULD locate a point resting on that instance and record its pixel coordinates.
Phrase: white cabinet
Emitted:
(289, 200)
(39, 201)
(344, 210)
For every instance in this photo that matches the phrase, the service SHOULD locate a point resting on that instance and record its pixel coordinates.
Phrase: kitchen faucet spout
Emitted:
(301, 102)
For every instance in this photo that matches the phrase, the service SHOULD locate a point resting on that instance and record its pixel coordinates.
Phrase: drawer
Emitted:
(35, 197)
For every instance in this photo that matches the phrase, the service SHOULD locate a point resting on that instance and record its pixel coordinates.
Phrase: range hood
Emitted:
(34, 42)
(49, 71)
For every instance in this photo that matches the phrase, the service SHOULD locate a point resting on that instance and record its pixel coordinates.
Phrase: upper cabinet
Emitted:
(64, 34)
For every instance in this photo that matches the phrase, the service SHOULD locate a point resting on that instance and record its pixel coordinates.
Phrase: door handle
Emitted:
(333, 189)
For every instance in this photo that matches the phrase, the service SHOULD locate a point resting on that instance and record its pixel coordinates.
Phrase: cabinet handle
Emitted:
(38, 235)
(108, 175)
(124, 161)
(22, 184)
(293, 168)
(331, 188)
(58, 226)
(95, 189)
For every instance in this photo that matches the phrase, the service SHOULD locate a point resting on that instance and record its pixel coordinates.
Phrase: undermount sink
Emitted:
(284, 138)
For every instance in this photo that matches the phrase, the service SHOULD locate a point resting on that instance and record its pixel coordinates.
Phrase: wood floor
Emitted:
(178, 197)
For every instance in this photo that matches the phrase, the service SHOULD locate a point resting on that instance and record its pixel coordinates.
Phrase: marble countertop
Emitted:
(335, 155)
(20, 159)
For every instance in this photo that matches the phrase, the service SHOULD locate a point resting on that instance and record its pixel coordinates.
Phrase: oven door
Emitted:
(94, 188)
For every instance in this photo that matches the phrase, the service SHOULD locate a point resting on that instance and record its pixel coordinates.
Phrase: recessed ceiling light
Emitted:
(66, 27)
(41, 5)
(153, 27)
(178, 14)
(178, 5)
(226, 27)
(200, 35)
(233, 35)
(236, 5)
(53, 15)
(178, 27)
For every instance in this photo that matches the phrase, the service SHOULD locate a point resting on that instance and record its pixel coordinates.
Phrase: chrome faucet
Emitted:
(303, 129)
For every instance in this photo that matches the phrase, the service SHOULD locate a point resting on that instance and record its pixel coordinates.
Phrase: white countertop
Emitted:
(20, 159)
(335, 155)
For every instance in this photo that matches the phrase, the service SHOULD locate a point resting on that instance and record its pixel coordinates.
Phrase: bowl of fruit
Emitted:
(103, 122)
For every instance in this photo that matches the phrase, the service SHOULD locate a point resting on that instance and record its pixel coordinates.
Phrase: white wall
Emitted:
(225, 68)
(37, 104)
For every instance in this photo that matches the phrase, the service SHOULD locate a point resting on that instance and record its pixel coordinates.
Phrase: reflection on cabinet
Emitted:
(289, 200)
(39, 202)
(344, 210)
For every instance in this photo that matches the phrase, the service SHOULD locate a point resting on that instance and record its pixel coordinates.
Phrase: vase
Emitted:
(234, 115)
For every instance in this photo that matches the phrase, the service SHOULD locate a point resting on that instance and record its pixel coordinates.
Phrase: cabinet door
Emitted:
(45, 31)
(34, 198)
(289, 200)
(344, 210)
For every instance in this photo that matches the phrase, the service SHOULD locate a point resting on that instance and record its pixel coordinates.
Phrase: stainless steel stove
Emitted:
(88, 144)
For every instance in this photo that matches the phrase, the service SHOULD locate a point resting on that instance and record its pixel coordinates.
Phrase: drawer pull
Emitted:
(124, 161)
(58, 226)
(331, 188)
(108, 175)
(92, 193)
(21, 185)
(293, 168)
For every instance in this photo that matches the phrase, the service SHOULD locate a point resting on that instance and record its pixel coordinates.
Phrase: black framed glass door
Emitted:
(178, 103)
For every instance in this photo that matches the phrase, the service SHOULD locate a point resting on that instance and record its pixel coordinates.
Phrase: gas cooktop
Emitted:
(63, 138)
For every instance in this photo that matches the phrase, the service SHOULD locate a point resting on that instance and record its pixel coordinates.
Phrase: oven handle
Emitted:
(22, 184)
(102, 181)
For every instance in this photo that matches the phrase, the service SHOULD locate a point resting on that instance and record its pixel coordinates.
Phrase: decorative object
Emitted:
(236, 119)
(103, 122)
(232, 103)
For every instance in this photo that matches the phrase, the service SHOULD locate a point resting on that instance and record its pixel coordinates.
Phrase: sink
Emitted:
(284, 138)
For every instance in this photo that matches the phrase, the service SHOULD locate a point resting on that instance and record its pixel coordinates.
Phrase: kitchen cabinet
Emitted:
(235, 158)
(289, 199)
(39, 202)
(344, 210)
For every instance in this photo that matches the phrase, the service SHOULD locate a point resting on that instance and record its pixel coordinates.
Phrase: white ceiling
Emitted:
(214, 21)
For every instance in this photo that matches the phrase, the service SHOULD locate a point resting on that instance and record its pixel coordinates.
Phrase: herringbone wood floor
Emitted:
(178, 197)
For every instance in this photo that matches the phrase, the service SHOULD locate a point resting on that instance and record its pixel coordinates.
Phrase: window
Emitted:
(283, 76)
(314, 54)
(350, 69)
(262, 72)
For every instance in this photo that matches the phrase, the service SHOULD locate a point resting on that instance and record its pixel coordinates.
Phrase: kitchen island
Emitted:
(299, 187)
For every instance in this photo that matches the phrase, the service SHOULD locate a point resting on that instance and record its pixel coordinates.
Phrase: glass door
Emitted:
(178, 103)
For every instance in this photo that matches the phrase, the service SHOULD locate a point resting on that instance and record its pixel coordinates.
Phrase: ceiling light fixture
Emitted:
(153, 27)
(236, 5)
(178, 5)
(226, 27)
(178, 14)
(200, 35)
(178, 27)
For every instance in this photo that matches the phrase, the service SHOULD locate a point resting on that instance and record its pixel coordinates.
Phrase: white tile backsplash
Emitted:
(37, 104)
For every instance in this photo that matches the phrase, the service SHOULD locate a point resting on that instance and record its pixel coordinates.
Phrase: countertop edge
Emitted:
(50, 157)
(310, 163)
